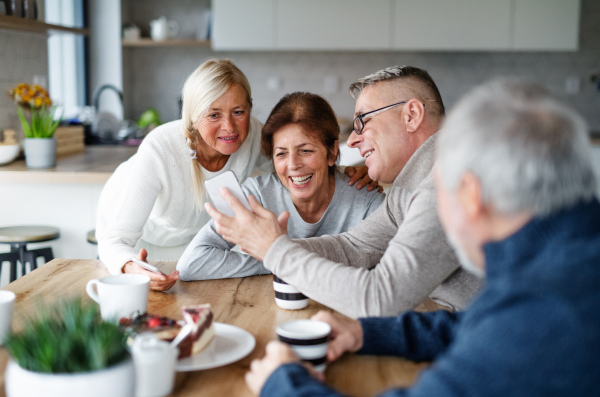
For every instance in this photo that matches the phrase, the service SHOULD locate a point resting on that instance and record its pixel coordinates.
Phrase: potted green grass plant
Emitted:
(39, 143)
(69, 351)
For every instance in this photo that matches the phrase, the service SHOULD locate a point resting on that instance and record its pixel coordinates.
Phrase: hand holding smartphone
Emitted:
(230, 181)
(146, 266)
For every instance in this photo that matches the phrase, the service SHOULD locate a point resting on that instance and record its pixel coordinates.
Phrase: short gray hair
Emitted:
(418, 80)
(529, 151)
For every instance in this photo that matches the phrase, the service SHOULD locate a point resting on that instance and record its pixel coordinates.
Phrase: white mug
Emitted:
(7, 306)
(120, 295)
(308, 339)
(154, 362)
(161, 29)
(287, 296)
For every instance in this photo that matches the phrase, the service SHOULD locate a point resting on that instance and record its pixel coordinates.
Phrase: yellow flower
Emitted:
(30, 96)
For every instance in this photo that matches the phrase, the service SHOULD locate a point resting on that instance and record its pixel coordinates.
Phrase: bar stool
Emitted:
(18, 237)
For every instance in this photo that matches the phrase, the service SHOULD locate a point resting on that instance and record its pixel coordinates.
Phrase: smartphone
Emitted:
(230, 181)
(146, 266)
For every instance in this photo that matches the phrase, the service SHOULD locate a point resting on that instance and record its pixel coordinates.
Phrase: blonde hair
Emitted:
(205, 85)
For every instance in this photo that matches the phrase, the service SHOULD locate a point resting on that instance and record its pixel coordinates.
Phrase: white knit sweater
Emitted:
(149, 200)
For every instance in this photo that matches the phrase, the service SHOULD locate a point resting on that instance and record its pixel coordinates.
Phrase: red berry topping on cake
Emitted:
(154, 322)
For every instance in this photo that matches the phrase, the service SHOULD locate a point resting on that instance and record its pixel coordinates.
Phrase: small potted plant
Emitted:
(69, 351)
(39, 144)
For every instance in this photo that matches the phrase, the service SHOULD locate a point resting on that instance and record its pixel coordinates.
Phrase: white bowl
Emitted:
(8, 153)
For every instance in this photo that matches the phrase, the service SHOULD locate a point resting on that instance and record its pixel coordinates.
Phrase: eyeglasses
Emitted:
(359, 124)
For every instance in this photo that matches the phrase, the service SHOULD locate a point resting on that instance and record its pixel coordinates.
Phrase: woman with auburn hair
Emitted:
(152, 206)
(301, 137)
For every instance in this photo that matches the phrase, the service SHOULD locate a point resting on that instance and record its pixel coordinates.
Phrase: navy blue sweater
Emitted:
(533, 331)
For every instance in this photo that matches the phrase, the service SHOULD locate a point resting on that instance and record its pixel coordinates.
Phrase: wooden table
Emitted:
(247, 302)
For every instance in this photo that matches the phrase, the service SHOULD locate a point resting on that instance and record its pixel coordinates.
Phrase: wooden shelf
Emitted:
(147, 42)
(33, 26)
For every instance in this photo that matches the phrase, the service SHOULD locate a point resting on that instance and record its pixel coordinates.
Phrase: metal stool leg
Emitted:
(24, 256)
(13, 269)
(28, 257)
(45, 253)
(12, 258)
(19, 249)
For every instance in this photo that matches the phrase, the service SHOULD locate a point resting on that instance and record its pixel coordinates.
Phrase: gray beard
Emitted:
(464, 260)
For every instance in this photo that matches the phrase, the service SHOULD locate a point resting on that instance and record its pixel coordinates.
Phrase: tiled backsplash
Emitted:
(22, 56)
(155, 75)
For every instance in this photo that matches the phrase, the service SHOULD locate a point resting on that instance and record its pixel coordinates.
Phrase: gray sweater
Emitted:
(389, 262)
(209, 256)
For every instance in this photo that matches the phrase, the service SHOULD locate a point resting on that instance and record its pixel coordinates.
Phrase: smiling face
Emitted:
(225, 128)
(302, 163)
(384, 143)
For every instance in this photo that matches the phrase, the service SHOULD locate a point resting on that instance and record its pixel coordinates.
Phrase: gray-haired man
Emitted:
(516, 195)
(399, 255)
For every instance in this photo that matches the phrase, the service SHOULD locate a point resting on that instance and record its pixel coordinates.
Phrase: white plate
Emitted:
(231, 344)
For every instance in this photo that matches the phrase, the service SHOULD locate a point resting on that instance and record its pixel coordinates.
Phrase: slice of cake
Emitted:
(203, 330)
(200, 316)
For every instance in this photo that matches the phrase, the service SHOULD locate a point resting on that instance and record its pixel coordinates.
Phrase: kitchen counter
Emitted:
(65, 197)
(96, 165)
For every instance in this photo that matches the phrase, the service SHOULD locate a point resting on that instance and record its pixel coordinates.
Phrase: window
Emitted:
(66, 57)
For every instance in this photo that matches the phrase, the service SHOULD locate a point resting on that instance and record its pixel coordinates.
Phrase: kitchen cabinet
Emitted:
(424, 25)
(333, 24)
(243, 25)
(546, 25)
(452, 25)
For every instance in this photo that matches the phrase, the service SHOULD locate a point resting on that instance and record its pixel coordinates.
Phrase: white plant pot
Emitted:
(116, 381)
(40, 152)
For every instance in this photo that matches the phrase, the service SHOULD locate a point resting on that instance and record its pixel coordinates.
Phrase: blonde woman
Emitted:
(152, 206)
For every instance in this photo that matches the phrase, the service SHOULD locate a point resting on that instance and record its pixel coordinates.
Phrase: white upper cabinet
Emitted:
(452, 24)
(243, 24)
(333, 25)
(415, 25)
(546, 25)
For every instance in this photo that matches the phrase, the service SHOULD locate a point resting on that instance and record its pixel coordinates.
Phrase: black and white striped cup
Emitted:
(308, 339)
(287, 296)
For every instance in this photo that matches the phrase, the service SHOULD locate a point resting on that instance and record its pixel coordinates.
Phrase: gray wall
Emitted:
(153, 76)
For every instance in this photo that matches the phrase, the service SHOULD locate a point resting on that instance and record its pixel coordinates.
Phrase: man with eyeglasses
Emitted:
(516, 195)
(399, 255)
